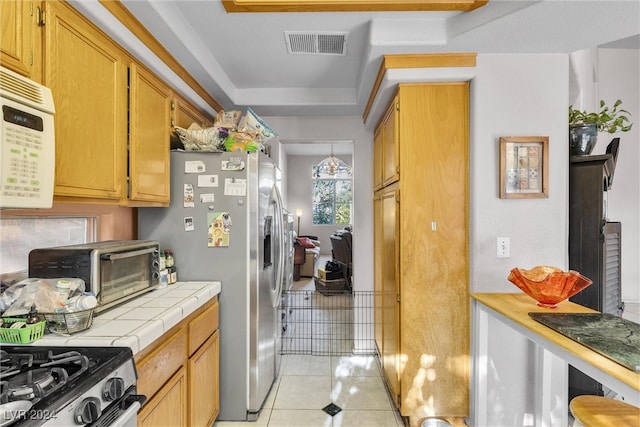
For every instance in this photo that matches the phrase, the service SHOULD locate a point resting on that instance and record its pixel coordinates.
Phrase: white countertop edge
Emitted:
(167, 307)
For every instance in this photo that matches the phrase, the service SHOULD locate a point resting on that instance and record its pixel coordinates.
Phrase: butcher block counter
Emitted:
(520, 366)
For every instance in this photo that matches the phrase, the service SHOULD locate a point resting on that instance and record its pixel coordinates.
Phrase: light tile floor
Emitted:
(309, 383)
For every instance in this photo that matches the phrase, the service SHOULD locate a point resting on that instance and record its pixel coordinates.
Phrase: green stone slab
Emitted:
(611, 336)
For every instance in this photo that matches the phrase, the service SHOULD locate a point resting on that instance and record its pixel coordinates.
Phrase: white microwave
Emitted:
(28, 143)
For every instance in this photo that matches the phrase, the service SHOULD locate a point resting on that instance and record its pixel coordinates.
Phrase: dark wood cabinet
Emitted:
(594, 247)
(594, 241)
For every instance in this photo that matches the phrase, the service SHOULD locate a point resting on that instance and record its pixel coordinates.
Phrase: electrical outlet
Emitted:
(503, 246)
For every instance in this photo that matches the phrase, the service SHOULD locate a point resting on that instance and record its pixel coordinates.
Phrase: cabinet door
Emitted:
(204, 404)
(87, 75)
(20, 41)
(377, 272)
(391, 141)
(168, 408)
(390, 292)
(378, 145)
(434, 247)
(186, 114)
(150, 127)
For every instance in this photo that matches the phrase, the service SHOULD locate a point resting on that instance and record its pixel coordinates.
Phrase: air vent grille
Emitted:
(21, 87)
(315, 43)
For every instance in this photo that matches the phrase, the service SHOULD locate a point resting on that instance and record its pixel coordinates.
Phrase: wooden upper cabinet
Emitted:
(150, 130)
(20, 38)
(87, 74)
(391, 144)
(185, 114)
(378, 141)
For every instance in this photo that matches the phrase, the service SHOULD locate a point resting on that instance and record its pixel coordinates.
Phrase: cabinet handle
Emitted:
(40, 17)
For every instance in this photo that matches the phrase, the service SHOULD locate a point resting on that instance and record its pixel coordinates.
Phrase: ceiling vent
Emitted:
(316, 43)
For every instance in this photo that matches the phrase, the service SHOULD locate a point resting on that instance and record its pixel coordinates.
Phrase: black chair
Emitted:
(342, 252)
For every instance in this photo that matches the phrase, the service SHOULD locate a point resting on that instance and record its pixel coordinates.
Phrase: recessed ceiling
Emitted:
(241, 59)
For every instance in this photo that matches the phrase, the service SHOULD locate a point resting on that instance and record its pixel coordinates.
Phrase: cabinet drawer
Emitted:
(203, 326)
(156, 369)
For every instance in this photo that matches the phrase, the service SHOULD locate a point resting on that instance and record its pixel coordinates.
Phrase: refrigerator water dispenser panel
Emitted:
(267, 242)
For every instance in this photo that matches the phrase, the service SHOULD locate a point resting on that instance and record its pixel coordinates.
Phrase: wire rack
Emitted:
(328, 323)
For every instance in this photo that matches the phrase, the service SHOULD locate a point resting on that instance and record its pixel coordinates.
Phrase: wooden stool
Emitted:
(598, 411)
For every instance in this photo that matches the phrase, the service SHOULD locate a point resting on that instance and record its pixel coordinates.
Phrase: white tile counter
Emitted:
(139, 322)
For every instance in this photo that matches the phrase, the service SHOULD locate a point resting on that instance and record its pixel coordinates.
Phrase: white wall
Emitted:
(517, 95)
(618, 77)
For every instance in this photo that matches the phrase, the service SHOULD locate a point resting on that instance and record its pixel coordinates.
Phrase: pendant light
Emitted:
(332, 165)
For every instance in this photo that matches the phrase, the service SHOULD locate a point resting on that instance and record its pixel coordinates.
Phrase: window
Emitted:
(332, 197)
(21, 234)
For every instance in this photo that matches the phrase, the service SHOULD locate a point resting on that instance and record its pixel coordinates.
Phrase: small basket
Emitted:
(25, 335)
(330, 287)
(198, 139)
(69, 323)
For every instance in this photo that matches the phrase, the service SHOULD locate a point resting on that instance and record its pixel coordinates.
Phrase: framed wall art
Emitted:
(524, 167)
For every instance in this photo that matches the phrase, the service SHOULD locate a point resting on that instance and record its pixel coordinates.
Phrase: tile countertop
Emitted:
(137, 323)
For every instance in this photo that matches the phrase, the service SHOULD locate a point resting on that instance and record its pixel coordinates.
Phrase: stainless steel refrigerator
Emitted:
(287, 280)
(225, 223)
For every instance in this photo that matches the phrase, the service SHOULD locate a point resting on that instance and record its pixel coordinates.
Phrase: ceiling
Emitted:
(242, 59)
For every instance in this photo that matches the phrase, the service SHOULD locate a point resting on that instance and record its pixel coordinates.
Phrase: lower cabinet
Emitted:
(203, 383)
(168, 406)
(179, 373)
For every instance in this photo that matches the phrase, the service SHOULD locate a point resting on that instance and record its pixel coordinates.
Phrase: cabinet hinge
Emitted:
(31, 58)
(397, 106)
(173, 105)
(398, 298)
(40, 17)
(31, 8)
(173, 122)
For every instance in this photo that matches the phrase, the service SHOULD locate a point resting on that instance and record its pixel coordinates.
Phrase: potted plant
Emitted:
(584, 126)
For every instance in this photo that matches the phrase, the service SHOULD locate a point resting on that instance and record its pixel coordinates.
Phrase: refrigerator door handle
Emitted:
(279, 240)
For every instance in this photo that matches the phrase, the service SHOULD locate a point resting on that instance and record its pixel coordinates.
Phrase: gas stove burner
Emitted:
(36, 383)
(4, 386)
(11, 364)
(66, 381)
(72, 358)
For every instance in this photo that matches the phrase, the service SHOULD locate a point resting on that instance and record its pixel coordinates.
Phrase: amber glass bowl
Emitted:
(548, 285)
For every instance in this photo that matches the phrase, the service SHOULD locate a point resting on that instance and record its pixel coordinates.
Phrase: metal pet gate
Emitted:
(327, 323)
